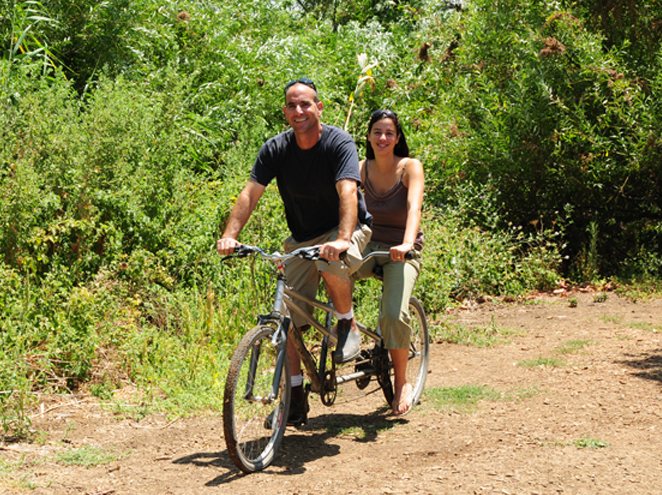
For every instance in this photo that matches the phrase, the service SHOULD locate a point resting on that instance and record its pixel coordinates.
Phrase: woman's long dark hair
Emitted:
(401, 148)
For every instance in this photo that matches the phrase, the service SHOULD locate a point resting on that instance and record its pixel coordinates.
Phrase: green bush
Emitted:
(129, 128)
(539, 111)
(464, 261)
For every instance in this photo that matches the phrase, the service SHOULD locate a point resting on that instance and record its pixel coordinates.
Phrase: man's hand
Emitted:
(331, 251)
(226, 245)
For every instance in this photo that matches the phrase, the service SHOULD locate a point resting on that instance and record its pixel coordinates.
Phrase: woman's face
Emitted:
(383, 136)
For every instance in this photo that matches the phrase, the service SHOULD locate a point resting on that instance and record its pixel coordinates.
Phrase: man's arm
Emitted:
(241, 212)
(348, 213)
(348, 209)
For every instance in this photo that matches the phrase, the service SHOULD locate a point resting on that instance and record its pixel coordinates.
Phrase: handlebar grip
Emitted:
(240, 251)
(243, 250)
(311, 253)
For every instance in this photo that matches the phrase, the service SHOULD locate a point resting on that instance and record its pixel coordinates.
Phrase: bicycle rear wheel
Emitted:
(255, 403)
(419, 349)
(417, 366)
(384, 376)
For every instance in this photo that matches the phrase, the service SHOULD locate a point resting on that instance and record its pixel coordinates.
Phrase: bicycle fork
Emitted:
(278, 341)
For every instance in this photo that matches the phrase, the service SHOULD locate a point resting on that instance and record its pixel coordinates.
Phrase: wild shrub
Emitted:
(462, 260)
(538, 110)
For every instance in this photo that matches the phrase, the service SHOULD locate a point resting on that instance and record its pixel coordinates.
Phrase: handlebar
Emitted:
(409, 255)
(311, 253)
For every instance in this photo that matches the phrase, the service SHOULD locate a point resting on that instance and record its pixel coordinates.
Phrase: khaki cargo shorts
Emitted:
(304, 276)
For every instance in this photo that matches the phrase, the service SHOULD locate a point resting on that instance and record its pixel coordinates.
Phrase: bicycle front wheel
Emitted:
(419, 348)
(256, 400)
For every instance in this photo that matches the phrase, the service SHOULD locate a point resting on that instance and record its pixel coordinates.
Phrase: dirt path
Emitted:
(591, 424)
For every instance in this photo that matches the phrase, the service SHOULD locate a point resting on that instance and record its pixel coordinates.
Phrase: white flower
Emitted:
(363, 59)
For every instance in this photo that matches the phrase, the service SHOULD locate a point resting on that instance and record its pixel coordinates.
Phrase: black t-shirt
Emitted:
(307, 179)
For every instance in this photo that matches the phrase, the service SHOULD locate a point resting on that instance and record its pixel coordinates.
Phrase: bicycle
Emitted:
(257, 396)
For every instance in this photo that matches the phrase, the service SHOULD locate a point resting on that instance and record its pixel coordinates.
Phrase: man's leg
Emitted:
(340, 291)
(349, 337)
(298, 414)
(303, 277)
(339, 285)
(293, 360)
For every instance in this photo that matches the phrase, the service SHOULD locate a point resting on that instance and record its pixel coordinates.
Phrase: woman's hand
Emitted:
(399, 252)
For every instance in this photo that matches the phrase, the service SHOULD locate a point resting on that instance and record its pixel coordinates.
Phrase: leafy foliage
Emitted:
(129, 126)
(551, 122)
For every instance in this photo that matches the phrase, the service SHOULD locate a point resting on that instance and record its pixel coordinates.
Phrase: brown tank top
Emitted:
(389, 213)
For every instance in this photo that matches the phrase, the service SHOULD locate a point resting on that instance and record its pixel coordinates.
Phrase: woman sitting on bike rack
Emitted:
(393, 187)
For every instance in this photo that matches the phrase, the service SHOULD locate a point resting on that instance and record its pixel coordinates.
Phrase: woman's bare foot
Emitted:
(402, 402)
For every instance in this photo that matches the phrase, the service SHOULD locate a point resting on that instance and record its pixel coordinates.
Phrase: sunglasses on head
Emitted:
(381, 114)
(302, 80)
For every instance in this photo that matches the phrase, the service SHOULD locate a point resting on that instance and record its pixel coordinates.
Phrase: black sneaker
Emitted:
(298, 414)
(349, 343)
(299, 407)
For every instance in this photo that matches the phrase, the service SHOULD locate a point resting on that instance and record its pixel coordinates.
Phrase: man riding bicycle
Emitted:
(316, 168)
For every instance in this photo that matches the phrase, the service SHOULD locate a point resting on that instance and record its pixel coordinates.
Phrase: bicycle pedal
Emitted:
(297, 422)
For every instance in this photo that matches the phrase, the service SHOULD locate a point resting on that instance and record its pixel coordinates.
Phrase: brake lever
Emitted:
(240, 251)
(311, 254)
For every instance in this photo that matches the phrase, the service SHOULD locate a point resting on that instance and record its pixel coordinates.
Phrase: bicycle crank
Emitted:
(364, 366)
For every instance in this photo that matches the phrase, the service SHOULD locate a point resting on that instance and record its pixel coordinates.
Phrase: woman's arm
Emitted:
(414, 179)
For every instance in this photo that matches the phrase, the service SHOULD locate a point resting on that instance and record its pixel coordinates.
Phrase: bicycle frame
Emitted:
(284, 305)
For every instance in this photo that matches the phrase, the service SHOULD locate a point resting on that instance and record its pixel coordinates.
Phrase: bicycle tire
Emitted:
(254, 428)
(419, 356)
(419, 349)
(384, 376)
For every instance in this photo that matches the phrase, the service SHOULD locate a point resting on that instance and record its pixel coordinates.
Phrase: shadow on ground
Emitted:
(301, 446)
(648, 366)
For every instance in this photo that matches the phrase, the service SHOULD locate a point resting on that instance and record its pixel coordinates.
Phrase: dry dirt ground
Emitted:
(589, 422)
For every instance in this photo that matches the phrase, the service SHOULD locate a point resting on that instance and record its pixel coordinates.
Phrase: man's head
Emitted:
(302, 80)
(302, 109)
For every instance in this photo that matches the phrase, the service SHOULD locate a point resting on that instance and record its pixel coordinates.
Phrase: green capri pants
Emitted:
(398, 285)
(304, 276)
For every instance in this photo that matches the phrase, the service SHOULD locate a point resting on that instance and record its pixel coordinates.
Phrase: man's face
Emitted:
(301, 110)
